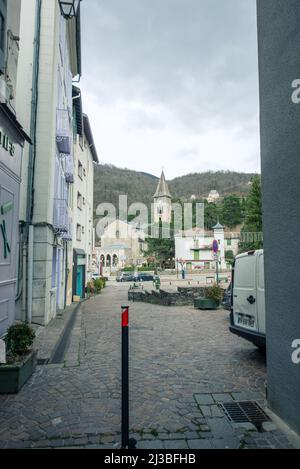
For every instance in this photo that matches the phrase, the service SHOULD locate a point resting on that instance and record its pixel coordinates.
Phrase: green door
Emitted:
(79, 283)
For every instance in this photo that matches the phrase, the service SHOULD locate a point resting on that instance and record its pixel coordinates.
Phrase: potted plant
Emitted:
(212, 298)
(21, 359)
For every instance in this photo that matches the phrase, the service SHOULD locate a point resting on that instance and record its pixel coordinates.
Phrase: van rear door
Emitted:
(245, 292)
(261, 309)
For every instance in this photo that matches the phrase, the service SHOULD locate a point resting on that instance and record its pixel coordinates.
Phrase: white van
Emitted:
(248, 314)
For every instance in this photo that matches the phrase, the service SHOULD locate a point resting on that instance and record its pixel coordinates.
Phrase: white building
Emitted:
(193, 249)
(49, 59)
(122, 244)
(85, 156)
(12, 138)
(213, 197)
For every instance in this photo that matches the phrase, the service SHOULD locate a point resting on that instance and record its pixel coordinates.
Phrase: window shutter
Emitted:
(3, 16)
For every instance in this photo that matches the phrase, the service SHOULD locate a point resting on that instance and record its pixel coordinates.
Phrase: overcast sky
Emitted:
(172, 83)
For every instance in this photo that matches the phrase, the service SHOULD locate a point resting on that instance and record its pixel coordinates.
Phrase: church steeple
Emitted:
(162, 202)
(162, 188)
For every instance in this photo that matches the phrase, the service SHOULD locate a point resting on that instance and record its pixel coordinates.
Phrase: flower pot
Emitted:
(206, 303)
(14, 376)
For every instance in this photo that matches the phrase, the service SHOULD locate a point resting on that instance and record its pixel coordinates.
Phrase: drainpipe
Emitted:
(32, 157)
(30, 273)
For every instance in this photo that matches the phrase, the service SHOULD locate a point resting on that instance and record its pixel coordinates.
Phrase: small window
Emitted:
(84, 173)
(79, 201)
(83, 230)
(229, 242)
(80, 170)
(83, 200)
(78, 232)
(2, 32)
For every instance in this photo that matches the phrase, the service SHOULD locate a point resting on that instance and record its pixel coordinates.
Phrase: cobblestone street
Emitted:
(183, 362)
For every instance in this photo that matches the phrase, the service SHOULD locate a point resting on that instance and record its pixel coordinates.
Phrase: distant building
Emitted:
(122, 244)
(85, 156)
(193, 249)
(162, 202)
(213, 197)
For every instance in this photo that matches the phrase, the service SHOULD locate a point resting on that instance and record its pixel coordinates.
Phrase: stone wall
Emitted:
(182, 297)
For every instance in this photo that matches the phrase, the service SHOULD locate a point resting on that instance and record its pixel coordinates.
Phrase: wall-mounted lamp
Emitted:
(69, 8)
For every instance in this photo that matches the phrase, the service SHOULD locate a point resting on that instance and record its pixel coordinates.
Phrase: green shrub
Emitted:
(90, 288)
(19, 339)
(99, 284)
(215, 292)
(129, 268)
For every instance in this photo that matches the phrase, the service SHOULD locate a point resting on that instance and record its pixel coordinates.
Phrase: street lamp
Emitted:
(69, 8)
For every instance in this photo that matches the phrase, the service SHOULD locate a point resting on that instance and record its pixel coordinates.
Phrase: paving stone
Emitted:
(222, 397)
(199, 444)
(246, 396)
(204, 399)
(150, 444)
(247, 426)
(220, 427)
(229, 442)
(175, 444)
(206, 410)
(269, 426)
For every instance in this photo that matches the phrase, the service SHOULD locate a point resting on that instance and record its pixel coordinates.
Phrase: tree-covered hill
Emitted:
(111, 181)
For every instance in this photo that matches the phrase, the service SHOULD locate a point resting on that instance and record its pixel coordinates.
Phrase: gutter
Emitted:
(32, 159)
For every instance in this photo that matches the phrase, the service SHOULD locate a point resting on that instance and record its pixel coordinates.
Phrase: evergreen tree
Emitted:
(231, 211)
(253, 218)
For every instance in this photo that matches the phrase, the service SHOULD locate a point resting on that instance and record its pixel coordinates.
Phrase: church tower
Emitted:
(162, 202)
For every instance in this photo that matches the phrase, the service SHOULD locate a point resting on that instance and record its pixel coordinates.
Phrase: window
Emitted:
(82, 229)
(83, 200)
(2, 32)
(3, 14)
(78, 232)
(229, 242)
(79, 201)
(84, 173)
(80, 170)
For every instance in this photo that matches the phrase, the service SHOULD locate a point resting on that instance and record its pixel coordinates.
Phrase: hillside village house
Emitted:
(213, 197)
(12, 138)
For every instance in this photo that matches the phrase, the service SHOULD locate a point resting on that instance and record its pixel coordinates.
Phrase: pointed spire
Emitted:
(218, 226)
(162, 188)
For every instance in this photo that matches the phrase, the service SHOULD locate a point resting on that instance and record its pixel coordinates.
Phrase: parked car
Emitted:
(143, 277)
(125, 277)
(226, 302)
(248, 316)
(95, 276)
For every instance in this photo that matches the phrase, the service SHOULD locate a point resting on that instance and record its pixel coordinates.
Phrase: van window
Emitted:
(244, 272)
(261, 276)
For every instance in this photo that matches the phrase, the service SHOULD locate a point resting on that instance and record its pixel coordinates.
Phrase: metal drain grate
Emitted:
(245, 411)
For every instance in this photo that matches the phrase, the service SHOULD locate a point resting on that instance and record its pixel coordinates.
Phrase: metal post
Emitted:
(125, 377)
(217, 268)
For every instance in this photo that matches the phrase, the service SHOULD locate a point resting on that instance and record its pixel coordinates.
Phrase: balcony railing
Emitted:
(60, 216)
(68, 235)
(69, 168)
(63, 132)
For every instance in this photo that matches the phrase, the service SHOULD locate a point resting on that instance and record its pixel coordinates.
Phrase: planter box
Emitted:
(13, 377)
(206, 303)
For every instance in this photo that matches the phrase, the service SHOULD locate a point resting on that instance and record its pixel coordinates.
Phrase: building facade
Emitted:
(49, 60)
(121, 244)
(193, 249)
(85, 156)
(12, 140)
